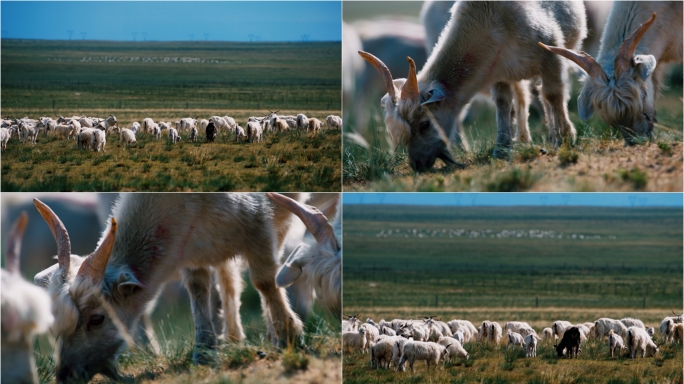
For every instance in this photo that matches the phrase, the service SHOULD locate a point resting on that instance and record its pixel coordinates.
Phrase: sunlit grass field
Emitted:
(534, 264)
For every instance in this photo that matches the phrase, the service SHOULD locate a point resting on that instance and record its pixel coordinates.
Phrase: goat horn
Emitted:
(14, 244)
(409, 91)
(676, 314)
(624, 57)
(314, 220)
(384, 71)
(60, 234)
(583, 59)
(95, 265)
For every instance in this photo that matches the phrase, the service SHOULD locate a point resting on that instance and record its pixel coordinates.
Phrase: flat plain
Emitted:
(169, 81)
(534, 264)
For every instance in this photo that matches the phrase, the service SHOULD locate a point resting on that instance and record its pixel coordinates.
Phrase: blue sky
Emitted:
(512, 199)
(172, 20)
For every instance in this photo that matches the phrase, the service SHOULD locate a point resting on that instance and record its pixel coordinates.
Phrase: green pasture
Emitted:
(68, 76)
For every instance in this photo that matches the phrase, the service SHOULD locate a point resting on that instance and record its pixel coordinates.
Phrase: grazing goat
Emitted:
(558, 328)
(624, 80)
(100, 298)
(98, 140)
(455, 348)
(630, 322)
(381, 352)
(314, 125)
(317, 263)
(127, 136)
(603, 325)
(637, 339)
(372, 334)
(615, 341)
(148, 125)
(302, 122)
(571, 341)
(25, 310)
(515, 326)
(667, 326)
(420, 350)
(174, 137)
(333, 122)
(547, 334)
(193, 134)
(421, 111)
(135, 126)
(514, 338)
(490, 331)
(239, 133)
(469, 330)
(254, 132)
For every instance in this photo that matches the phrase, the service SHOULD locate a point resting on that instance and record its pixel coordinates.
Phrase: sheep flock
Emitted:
(91, 133)
(390, 344)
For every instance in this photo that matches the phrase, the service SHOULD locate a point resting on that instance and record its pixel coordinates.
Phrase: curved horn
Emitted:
(59, 232)
(14, 243)
(384, 72)
(583, 59)
(410, 89)
(95, 265)
(676, 314)
(623, 60)
(314, 220)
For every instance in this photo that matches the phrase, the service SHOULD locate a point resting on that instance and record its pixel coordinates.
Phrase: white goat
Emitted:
(421, 111)
(135, 127)
(4, 137)
(25, 310)
(638, 340)
(98, 140)
(515, 326)
(128, 268)
(490, 331)
(667, 326)
(381, 353)
(615, 341)
(84, 138)
(455, 348)
(559, 326)
(28, 131)
(333, 122)
(147, 125)
(156, 132)
(603, 325)
(469, 330)
(547, 334)
(514, 338)
(372, 334)
(355, 340)
(193, 134)
(398, 352)
(173, 136)
(127, 136)
(239, 133)
(254, 132)
(624, 80)
(302, 122)
(420, 350)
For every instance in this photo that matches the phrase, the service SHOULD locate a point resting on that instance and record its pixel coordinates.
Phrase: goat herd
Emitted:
(93, 304)
(91, 132)
(399, 341)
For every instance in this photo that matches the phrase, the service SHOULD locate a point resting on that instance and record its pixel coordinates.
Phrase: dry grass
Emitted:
(292, 161)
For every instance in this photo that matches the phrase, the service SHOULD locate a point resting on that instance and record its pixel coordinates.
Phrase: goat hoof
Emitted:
(501, 153)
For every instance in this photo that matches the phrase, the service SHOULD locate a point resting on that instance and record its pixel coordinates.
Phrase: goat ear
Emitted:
(127, 284)
(42, 278)
(432, 96)
(292, 268)
(644, 65)
(584, 106)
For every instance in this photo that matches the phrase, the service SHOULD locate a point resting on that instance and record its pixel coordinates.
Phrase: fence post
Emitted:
(186, 105)
(436, 301)
(536, 301)
(644, 302)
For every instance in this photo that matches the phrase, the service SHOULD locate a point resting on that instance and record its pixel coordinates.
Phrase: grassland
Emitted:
(598, 161)
(168, 81)
(511, 263)
(317, 362)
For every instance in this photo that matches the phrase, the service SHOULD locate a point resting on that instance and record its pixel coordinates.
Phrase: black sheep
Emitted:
(211, 132)
(571, 341)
